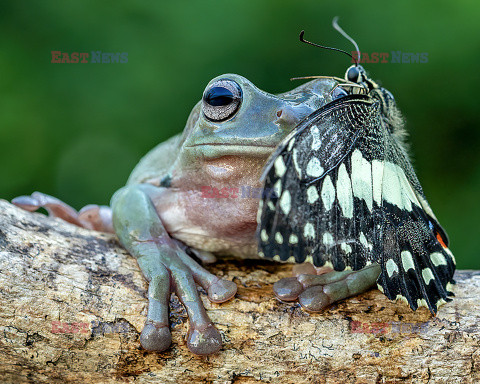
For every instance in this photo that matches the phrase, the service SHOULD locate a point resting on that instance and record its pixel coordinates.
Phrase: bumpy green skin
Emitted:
(163, 201)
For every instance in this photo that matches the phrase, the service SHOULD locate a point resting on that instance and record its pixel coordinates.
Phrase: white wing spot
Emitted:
(391, 267)
(286, 202)
(365, 242)
(422, 303)
(391, 187)
(347, 249)
(290, 144)
(427, 275)
(264, 236)
(314, 169)
(438, 259)
(362, 178)
(377, 177)
(344, 192)
(280, 167)
(259, 212)
(309, 231)
(312, 194)
(271, 206)
(449, 253)
(396, 188)
(328, 239)
(295, 163)
(293, 239)
(279, 238)
(407, 261)
(402, 298)
(277, 187)
(316, 143)
(328, 193)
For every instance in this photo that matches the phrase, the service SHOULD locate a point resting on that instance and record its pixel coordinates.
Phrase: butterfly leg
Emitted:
(315, 292)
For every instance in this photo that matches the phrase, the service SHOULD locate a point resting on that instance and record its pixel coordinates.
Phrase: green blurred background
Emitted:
(75, 131)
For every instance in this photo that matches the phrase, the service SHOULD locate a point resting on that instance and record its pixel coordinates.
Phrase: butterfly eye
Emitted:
(339, 92)
(221, 100)
(353, 74)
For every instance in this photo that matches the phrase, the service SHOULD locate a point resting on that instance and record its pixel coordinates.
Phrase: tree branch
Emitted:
(74, 302)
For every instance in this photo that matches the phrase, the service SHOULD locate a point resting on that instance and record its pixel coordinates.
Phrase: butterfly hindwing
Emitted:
(346, 197)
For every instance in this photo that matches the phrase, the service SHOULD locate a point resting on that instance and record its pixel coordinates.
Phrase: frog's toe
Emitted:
(155, 336)
(287, 289)
(221, 291)
(315, 292)
(314, 299)
(91, 217)
(218, 290)
(28, 203)
(204, 340)
(99, 216)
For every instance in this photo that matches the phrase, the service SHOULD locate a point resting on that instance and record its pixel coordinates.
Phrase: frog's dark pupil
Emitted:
(218, 96)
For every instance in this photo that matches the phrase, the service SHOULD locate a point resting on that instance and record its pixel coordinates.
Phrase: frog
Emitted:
(181, 207)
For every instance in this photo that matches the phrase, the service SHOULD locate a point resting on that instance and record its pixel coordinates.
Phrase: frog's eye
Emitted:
(221, 100)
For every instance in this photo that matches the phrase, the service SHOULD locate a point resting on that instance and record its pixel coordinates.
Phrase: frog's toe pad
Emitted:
(27, 203)
(221, 291)
(288, 289)
(204, 341)
(155, 336)
(314, 299)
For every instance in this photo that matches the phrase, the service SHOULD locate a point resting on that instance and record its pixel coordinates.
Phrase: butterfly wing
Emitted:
(346, 196)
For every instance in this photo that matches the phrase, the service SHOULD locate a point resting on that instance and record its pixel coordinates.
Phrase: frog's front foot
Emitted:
(315, 292)
(91, 216)
(176, 271)
(167, 268)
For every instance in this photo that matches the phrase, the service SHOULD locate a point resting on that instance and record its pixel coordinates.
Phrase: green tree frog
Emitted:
(188, 195)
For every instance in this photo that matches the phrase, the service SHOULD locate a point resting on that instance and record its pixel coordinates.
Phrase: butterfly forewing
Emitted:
(347, 196)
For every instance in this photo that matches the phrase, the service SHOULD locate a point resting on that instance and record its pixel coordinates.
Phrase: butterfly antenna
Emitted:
(344, 34)
(325, 47)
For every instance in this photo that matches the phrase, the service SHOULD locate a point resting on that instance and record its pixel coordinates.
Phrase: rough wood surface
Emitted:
(73, 303)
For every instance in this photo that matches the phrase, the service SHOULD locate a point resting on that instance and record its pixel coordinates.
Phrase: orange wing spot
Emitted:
(440, 240)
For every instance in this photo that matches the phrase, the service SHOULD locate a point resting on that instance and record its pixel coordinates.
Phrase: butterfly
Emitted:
(348, 197)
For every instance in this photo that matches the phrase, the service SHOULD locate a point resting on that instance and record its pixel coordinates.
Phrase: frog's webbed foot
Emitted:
(91, 216)
(167, 268)
(181, 275)
(315, 292)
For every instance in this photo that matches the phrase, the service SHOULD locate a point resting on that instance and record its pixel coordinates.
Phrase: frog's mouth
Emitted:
(213, 150)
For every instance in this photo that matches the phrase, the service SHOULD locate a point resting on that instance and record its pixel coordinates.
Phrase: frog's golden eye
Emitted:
(221, 100)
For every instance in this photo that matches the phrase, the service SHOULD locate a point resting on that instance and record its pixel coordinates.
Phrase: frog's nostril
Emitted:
(287, 115)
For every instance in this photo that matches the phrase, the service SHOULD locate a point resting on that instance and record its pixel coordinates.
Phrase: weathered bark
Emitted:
(74, 302)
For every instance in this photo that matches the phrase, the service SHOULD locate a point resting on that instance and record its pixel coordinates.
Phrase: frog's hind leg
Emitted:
(91, 216)
(315, 292)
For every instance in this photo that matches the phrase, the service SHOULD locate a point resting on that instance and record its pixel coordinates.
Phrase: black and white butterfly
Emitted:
(348, 197)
